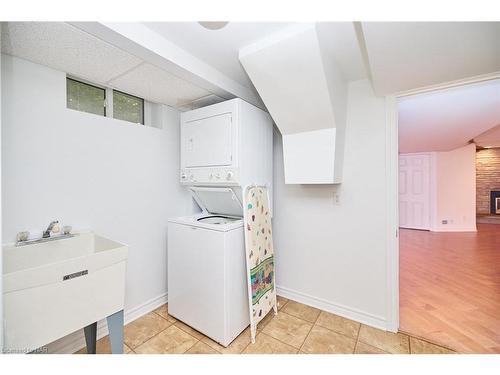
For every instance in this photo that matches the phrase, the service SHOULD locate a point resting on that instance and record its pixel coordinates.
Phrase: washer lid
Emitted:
(216, 200)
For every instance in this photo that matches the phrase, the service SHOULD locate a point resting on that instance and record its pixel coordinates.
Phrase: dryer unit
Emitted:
(224, 147)
(226, 144)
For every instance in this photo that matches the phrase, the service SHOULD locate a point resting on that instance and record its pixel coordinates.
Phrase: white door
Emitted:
(414, 191)
(208, 142)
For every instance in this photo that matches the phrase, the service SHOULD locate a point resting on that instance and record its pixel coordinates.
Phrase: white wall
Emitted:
(330, 255)
(456, 190)
(452, 195)
(115, 178)
(1, 252)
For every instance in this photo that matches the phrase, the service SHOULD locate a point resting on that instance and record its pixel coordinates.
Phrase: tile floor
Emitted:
(296, 329)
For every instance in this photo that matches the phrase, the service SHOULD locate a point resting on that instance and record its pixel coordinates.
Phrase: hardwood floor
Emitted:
(450, 288)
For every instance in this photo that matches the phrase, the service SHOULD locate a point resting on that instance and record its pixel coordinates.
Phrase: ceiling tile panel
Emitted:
(66, 48)
(158, 85)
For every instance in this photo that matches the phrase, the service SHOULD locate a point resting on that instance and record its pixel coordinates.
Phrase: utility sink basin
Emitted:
(54, 288)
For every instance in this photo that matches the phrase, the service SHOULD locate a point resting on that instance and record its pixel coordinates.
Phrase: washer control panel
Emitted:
(209, 176)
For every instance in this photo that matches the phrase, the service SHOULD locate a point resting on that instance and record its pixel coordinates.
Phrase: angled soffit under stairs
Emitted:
(298, 78)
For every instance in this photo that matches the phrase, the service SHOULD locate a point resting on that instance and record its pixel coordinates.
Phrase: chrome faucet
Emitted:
(23, 239)
(51, 226)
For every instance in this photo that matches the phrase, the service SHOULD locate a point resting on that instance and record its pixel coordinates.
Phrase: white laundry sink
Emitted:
(54, 288)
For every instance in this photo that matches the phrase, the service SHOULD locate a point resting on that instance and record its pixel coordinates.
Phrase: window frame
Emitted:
(143, 122)
(108, 101)
(105, 106)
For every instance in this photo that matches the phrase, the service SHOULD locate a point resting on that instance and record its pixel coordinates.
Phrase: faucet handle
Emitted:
(67, 229)
(22, 236)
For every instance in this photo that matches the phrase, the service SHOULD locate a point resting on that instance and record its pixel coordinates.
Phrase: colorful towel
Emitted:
(260, 255)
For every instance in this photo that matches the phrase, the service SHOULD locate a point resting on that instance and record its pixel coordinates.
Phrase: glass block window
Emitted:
(84, 97)
(128, 107)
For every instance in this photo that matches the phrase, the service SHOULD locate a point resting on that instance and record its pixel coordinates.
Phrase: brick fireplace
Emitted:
(487, 179)
(495, 202)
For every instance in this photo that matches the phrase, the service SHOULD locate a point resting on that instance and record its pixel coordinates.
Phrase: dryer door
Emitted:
(207, 142)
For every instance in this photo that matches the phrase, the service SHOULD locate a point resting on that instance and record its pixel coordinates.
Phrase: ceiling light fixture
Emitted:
(213, 25)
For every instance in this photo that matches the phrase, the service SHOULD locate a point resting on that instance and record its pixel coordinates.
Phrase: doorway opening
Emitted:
(449, 169)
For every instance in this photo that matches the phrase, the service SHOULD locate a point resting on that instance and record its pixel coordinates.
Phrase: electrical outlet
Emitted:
(336, 198)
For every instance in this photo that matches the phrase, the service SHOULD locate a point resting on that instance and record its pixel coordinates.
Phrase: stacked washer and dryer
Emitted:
(224, 147)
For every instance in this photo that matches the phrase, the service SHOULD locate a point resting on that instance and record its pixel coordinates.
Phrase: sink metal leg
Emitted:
(91, 337)
(115, 328)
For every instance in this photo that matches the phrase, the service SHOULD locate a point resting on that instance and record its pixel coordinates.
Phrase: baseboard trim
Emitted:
(441, 230)
(341, 310)
(76, 341)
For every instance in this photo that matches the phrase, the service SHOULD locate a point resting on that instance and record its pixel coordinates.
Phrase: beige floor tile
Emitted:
(362, 348)
(143, 329)
(323, 341)
(396, 343)
(103, 346)
(265, 344)
(201, 348)
(270, 316)
(301, 311)
(173, 340)
(423, 347)
(197, 335)
(163, 312)
(338, 324)
(288, 329)
(236, 347)
(281, 302)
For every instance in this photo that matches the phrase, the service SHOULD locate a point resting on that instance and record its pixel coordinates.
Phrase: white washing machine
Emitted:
(206, 266)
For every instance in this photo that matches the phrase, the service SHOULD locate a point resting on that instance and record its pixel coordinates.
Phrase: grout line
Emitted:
(308, 333)
(156, 334)
(282, 306)
(190, 334)
(341, 333)
(188, 349)
(242, 350)
(298, 317)
(357, 340)
(316, 320)
(427, 341)
(281, 312)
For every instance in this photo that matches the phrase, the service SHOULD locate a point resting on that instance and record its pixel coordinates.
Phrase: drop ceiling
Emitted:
(448, 119)
(148, 81)
(66, 48)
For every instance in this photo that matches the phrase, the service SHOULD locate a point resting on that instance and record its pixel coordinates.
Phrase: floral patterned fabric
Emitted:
(260, 254)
